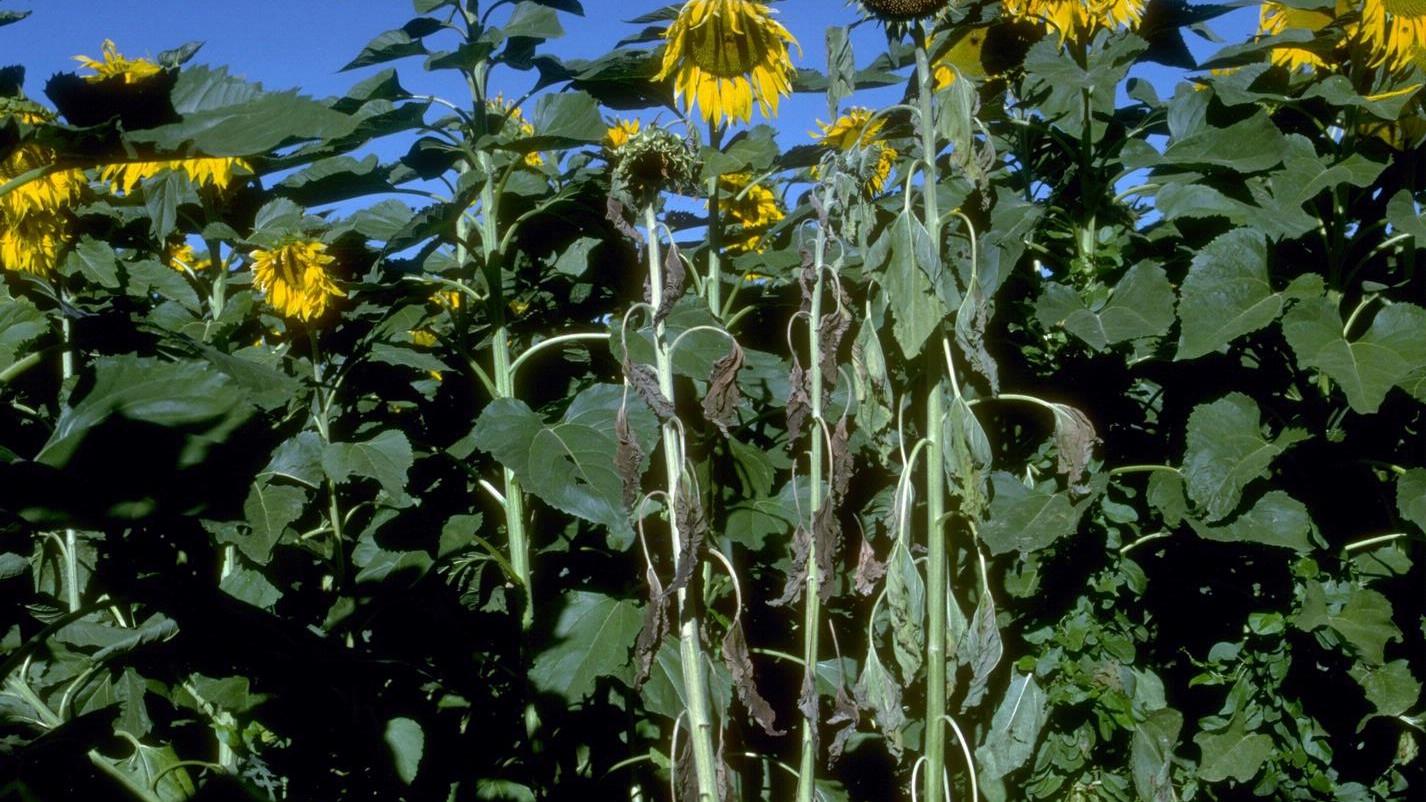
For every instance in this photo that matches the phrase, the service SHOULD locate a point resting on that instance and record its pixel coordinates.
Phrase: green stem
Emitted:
(935, 743)
(1122, 469)
(812, 611)
(71, 537)
(690, 650)
(1374, 541)
(714, 283)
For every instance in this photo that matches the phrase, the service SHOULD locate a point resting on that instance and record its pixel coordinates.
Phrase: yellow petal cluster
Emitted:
(725, 54)
(619, 134)
(1394, 32)
(216, 172)
(753, 207)
(1078, 20)
(114, 65)
(515, 119)
(963, 58)
(34, 219)
(1274, 18)
(858, 129)
(180, 256)
(295, 278)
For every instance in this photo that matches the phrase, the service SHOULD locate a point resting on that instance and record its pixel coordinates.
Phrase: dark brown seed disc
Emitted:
(903, 9)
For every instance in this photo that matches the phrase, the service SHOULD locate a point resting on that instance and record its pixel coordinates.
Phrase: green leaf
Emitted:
(1366, 622)
(406, 740)
(1277, 519)
(533, 21)
(565, 120)
(904, 252)
(1165, 493)
(151, 277)
(1141, 305)
(269, 510)
(1244, 147)
(1022, 713)
(252, 587)
(255, 126)
(1026, 519)
(299, 459)
(171, 394)
(20, 324)
(906, 603)
(394, 44)
(1366, 368)
(1226, 294)
(1232, 753)
(1151, 755)
(570, 464)
(1391, 688)
(593, 637)
(94, 260)
(1226, 450)
(1411, 497)
(1401, 213)
(386, 458)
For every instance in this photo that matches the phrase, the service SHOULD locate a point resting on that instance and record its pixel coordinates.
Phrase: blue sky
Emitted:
(303, 43)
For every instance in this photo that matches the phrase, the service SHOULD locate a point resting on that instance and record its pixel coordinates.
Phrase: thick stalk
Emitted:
(715, 235)
(935, 477)
(71, 537)
(690, 651)
(812, 611)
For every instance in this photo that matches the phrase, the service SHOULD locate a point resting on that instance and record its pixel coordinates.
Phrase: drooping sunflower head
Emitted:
(50, 192)
(295, 278)
(652, 160)
(1393, 32)
(963, 58)
(1274, 18)
(752, 207)
(619, 133)
(726, 54)
(32, 243)
(1078, 20)
(864, 152)
(850, 130)
(215, 172)
(180, 256)
(114, 65)
(903, 10)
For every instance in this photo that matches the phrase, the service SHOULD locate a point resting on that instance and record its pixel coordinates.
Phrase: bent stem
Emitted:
(935, 744)
(690, 651)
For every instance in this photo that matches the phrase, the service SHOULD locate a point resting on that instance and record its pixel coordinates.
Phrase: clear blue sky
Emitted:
(290, 43)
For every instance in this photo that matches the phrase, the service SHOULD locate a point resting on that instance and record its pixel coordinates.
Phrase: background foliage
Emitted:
(1081, 457)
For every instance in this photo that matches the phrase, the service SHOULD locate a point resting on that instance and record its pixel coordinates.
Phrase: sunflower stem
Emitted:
(714, 283)
(935, 751)
(812, 610)
(71, 537)
(690, 650)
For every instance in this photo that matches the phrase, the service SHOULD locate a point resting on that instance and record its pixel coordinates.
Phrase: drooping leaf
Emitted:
(1151, 755)
(1015, 728)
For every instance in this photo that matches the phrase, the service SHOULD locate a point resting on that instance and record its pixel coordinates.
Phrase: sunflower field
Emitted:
(1027, 435)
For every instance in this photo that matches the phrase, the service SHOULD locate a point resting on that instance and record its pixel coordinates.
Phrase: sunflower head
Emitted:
(218, 172)
(180, 256)
(114, 65)
(752, 207)
(1078, 20)
(652, 160)
(862, 151)
(903, 10)
(1393, 32)
(619, 134)
(726, 54)
(514, 125)
(295, 278)
(1274, 18)
(32, 243)
(855, 128)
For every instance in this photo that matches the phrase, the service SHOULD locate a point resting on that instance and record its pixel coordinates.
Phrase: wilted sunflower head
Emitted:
(864, 154)
(50, 192)
(32, 243)
(515, 125)
(851, 129)
(652, 160)
(752, 207)
(1393, 32)
(903, 10)
(1274, 18)
(115, 65)
(725, 54)
(1077, 19)
(295, 278)
(180, 256)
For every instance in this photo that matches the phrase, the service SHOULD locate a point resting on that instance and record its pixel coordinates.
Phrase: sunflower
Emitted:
(294, 276)
(753, 207)
(180, 256)
(1394, 32)
(516, 124)
(32, 243)
(619, 134)
(857, 130)
(963, 58)
(114, 65)
(724, 54)
(448, 299)
(215, 172)
(1078, 19)
(902, 10)
(1274, 18)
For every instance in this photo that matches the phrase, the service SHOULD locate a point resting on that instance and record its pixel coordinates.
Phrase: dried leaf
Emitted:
(797, 576)
(740, 667)
(869, 569)
(1074, 444)
(614, 213)
(799, 403)
(692, 528)
(844, 711)
(981, 649)
(827, 537)
(628, 456)
(877, 689)
(720, 404)
(842, 463)
(830, 331)
(971, 321)
(656, 625)
(646, 383)
(807, 701)
(674, 280)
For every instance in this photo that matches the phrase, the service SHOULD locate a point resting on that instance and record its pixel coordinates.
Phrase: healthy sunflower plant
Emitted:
(1033, 436)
